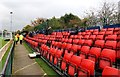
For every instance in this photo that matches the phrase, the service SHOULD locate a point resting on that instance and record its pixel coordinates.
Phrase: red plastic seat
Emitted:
(110, 29)
(52, 54)
(80, 36)
(92, 37)
(63, 40)
(72, 36)
(99, 37)
(107, 57)
(110, 44)
(68, 47)
(108, 32)
(84, 51)
(103, 30)
(69, 41)
(88, 33)
(118, 38)
(66, 40)
(95, 30)
(88, 42)
(94, 54)
(99, 43)
(111, 72)
(58, 56)
(73, 64)
(86, 37)
(75, 41)
(65, 60)
(64, 45)
(95, 33)
(101, 33)
(75, 48)
(118, 50)
(111, 37)
(86, 68)
(79, 33)
(81, 41)
(83, 33)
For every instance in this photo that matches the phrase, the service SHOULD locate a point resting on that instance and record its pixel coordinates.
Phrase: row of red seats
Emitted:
(96, 37)
(32, 43)
(72, 64)
(86, 52)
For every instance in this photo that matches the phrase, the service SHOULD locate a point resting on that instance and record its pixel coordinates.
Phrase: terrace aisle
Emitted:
(23, 65)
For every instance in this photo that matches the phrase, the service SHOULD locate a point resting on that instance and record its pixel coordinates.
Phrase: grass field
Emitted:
(42, 64)
(2, 42)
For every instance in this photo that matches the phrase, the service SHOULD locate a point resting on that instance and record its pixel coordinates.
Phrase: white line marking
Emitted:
(25, 67)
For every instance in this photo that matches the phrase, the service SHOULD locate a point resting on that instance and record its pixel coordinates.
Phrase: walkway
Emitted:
(23, 65)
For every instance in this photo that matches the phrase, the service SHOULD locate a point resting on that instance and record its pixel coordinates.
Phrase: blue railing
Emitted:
(7, 69)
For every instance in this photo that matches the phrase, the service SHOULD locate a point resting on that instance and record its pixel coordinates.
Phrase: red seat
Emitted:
(118, 38)
(99, 43)
(68, 47)
(66, 40)
(96, 30)
(69, 41)
(88, 33)
(100, 37)
(64, 45)
(101, 33)
(81, 41)
(110, 29)
(80, 36)
(52, 54)
(111, 72)
(103, 30)
(83, 33)
(86, 68)
(92, 37)
(58, 56)
(79, 33)
(107, 57)
(75, 48)
(110, 44)
(84, 51)
(95, 33)
(65, 60)
(108, 32)
(116, 29)
(111, 37)
(63, 40)
(75, 41)
(72, 36)
(86, 37)
(94, 54)
(88, 42)
(73, 64)
(118, 50)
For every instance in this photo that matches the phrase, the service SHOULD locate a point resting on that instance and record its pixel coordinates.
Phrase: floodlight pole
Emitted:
(11, 24)
(11, 21)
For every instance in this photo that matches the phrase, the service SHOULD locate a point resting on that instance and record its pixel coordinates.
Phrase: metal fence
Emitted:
(7, 69)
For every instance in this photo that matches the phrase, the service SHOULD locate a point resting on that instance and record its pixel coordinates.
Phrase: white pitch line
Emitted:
(25, 67)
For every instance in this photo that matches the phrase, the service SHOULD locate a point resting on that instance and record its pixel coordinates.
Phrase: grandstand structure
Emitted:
(93, 52)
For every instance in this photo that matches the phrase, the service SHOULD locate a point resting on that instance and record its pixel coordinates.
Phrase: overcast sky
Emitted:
(26, 10)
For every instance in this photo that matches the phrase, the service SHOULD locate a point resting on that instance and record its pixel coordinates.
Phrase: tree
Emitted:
(54, 23)
(106, 13)
(28, 28)
(91, 18)
(38, 21)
